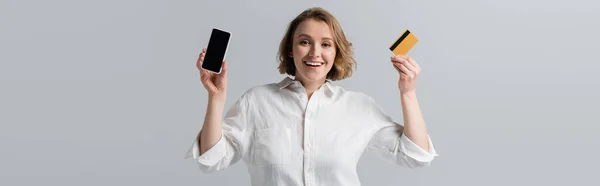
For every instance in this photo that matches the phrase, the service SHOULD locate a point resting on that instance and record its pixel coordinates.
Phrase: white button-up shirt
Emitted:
(286, 139)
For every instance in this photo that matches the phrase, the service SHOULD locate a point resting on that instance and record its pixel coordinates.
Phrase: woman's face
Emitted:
(313, 50)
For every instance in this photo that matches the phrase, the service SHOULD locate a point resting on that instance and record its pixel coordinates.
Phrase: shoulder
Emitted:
(254, 94)
(361, 104)
(261, 90)
(352, 96)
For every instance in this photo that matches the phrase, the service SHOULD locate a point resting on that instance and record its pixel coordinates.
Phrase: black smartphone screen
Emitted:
(216, 50)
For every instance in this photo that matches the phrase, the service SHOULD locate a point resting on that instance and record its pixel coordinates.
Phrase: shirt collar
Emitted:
(287, 81)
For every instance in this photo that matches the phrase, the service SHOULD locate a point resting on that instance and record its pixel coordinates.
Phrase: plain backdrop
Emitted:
(107, 92)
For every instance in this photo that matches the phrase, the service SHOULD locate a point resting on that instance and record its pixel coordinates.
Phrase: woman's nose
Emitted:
(314, 52)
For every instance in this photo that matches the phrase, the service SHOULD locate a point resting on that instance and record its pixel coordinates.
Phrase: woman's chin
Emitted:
(314, 76)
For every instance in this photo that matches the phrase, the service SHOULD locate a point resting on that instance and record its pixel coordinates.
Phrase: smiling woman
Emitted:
(316, 32)
(306, 130)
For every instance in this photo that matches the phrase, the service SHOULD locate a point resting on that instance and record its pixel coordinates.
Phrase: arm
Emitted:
(390, 139)
(216, 85)
(211, 130)
(414, 124)
(407, 145)
(221, 141)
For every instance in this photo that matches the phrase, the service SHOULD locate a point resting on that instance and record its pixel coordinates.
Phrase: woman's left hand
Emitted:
(409, 70)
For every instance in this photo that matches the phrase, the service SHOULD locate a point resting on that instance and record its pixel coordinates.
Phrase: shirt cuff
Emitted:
(415, 151)
(213, 155)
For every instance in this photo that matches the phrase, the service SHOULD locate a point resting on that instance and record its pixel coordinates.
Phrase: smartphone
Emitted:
(216, 50)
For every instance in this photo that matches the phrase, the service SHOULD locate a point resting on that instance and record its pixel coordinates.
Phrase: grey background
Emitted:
(106, 92)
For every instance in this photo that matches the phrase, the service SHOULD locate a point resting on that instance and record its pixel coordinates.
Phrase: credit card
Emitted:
(404, 43)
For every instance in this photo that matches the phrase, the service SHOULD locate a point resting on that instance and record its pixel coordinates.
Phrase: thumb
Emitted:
(224, 70)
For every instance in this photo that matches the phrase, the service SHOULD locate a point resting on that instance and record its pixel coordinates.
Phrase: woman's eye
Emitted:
(304, 42)
(326, 45)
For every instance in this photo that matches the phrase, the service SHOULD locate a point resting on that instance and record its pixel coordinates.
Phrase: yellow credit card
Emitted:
(404, 43)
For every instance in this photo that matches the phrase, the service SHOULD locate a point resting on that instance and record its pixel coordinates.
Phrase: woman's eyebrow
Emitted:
(305, 35)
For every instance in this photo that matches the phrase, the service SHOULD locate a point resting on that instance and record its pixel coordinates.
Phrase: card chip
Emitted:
(404, 43)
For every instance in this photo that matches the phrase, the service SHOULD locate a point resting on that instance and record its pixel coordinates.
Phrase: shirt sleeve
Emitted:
(390, 142)
(230, 146)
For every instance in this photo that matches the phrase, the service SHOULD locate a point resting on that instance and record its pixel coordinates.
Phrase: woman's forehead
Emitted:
(314, 29)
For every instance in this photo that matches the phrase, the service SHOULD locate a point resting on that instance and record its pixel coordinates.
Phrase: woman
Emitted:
(306, 130)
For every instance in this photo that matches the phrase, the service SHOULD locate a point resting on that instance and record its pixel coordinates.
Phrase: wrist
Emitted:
(409, 95)
(217, 98)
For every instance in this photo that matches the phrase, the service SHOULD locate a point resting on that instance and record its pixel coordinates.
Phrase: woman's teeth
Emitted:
(312, 64)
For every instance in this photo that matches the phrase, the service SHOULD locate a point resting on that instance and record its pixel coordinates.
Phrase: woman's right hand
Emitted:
(215, 84)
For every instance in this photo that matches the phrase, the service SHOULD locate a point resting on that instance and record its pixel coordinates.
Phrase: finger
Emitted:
(199, 65)
(398, 67)
(224, 70)
(204, 73)
(413, 62)
(400, 59)
(399, 56)
(405, 62)
(199, 62)
(203, 53)
(394, 59)
(200, 59)
(204, 76)
(397, 64)
(410, 66)
(404, 69)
